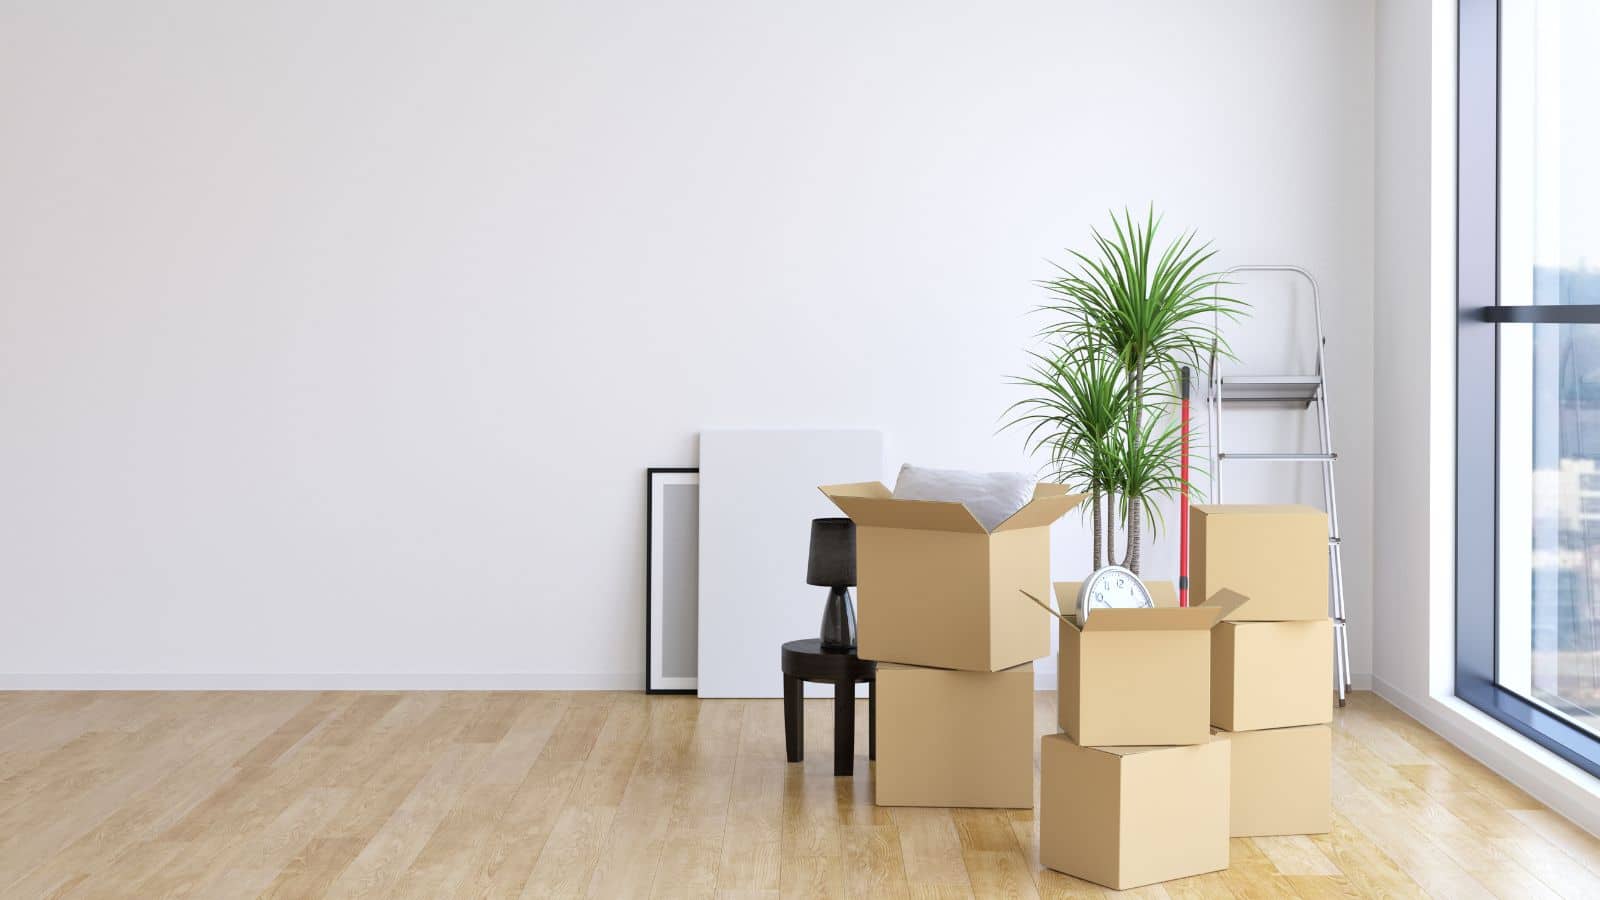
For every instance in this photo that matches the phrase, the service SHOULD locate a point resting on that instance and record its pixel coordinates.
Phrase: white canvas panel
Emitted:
(758, 495)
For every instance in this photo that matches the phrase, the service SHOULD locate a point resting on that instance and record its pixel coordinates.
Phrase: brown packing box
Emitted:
(1277, 556)
(1281, 781)
(1136, 676)
(1271, 674)
(1130, 816)
(949, 738)
(935, 589)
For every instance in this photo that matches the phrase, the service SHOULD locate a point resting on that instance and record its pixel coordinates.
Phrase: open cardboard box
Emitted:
(1271, 674)
(1281, 781)
(1277, 556)
(936, 588)
(1137, 676)
(952, 738)
(1130, 816)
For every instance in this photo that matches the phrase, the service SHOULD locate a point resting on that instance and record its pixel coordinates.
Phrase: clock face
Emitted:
(1112, 587)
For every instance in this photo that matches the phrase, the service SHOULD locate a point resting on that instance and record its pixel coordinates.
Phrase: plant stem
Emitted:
(1099, 532)
(1131, 560)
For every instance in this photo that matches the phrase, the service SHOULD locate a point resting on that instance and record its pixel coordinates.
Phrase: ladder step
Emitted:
(1280, 457)
(1270, 388)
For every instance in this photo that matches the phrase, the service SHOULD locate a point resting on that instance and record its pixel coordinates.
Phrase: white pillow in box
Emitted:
(991, 497)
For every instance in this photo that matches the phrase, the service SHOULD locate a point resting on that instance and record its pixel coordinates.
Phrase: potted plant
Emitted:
(1123, 322)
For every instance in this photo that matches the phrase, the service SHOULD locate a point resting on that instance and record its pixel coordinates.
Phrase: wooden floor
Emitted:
(620, 795)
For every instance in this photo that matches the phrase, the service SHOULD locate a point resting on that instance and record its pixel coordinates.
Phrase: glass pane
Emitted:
(1549, 623)
(1549, 141)
(1548, 617)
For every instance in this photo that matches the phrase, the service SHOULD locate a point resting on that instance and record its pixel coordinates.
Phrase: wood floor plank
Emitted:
(505, 859)
(1251, 875)
(1210, 886)
(1047, 882)
(999, 873)
(1423, 861)
(930, 848)
(1367, 869)
(1577, 843)
(692, 854)
(872, 863)
(484, 794)
(1295, 855)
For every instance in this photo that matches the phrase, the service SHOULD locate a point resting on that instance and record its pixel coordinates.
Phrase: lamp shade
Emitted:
(833, 553)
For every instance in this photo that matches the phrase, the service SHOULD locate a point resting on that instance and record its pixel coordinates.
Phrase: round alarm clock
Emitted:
(1112, 587)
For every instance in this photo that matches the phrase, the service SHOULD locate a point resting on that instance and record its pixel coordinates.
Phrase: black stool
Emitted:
(806, 661)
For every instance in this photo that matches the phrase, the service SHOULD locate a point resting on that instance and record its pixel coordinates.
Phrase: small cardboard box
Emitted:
(1271, 674)
(1136, 676)
(1130, 816)
(936, 589)
(1276, 556)
(1281, 781)
(950, 738)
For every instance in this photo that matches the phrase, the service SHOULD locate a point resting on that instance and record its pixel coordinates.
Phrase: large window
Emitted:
(1528, 566)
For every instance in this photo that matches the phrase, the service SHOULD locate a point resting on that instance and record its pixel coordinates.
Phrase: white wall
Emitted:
(335, 338)
(1408, 251)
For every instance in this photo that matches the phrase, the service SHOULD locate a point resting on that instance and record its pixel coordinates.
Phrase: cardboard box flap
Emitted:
(875, 489)
(1044, 508)
(1167, 615)
(870, 503)
(1224, 602)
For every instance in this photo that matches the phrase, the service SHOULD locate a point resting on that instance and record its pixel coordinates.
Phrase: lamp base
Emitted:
(839, 621)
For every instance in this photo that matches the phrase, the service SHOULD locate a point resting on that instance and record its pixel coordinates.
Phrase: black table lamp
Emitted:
(833, 565)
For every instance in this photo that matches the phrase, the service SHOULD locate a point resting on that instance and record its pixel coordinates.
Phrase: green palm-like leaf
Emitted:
(1123, 319)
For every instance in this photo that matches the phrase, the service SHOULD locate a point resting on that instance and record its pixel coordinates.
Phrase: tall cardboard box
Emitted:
(935, 588)
(1271, 674)
(1281, 781)
(1136, 676)
(951, 738)
(1130, 816)
(1276, 556)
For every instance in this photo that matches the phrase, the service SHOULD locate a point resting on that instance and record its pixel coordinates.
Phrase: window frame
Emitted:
(1479, 318)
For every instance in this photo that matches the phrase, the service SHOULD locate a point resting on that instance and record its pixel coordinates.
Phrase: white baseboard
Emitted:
(335, 681)
(1546, 777)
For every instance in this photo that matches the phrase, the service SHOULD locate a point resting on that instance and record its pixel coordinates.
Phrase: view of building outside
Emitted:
(1566, 523)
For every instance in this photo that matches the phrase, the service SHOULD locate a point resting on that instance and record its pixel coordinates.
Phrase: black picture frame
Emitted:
(651, 475)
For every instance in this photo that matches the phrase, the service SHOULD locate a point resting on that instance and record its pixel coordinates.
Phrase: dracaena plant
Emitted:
(1122, 321)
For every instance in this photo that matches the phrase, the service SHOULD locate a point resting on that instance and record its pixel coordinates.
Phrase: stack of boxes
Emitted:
(941, 611)
(1181, 728)
(1270, 660)
(1134, 789)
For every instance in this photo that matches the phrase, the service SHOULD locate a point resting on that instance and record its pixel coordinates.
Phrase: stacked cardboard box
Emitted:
(1271, 660)
(1134, 790)
(940, 607)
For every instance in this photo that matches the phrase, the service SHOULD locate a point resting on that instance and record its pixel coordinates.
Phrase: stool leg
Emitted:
(872, 719)
(844, 728)
(794, 718)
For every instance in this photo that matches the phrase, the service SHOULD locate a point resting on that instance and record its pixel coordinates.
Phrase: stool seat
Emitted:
(806, 660)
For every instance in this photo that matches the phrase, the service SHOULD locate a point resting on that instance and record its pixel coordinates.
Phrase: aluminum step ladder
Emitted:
(1297, 392)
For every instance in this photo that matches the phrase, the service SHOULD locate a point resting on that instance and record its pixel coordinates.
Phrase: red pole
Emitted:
(1183, 506)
